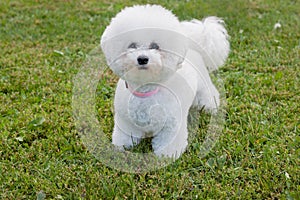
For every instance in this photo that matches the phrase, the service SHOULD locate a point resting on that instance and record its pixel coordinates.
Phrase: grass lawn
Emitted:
(42, 47)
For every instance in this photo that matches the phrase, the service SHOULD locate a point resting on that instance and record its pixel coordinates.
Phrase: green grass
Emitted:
(42, 46)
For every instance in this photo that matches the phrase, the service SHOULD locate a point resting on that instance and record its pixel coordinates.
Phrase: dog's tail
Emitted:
(208, 37)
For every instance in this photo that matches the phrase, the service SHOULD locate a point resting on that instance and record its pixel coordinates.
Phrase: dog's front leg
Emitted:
(171, 141)
(122, 139)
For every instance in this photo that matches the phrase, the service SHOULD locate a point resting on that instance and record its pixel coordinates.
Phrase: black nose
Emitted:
(143, 60)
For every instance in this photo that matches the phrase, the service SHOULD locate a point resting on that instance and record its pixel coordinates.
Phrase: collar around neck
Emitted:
(142, 94)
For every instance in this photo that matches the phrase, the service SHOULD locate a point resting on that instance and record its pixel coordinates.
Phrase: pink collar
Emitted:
(142, 94)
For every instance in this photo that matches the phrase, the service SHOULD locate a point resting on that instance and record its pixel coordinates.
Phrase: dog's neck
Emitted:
(144, 90)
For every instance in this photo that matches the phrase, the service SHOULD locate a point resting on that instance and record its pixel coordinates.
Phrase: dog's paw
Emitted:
(208, 100)
(212, 104)
(123, 140)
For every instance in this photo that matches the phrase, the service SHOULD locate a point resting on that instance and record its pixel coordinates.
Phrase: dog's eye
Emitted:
(132, 46)
(153, 45)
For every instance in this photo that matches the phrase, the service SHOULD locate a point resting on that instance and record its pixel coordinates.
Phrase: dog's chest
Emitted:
(151, 114)
(146, 112)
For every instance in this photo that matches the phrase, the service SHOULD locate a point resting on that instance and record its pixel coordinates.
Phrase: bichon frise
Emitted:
(164, 66)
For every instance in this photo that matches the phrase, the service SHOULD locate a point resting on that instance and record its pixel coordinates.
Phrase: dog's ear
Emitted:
(112, 47)
(105, 46)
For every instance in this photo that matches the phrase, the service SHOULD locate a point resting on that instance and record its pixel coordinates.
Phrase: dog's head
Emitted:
(144, 44)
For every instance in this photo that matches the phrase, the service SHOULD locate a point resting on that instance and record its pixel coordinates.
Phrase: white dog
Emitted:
(164, 66)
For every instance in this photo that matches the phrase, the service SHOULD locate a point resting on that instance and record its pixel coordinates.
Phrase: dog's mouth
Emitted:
(142, 67)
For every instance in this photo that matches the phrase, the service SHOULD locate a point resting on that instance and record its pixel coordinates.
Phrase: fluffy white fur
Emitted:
(154, 53)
